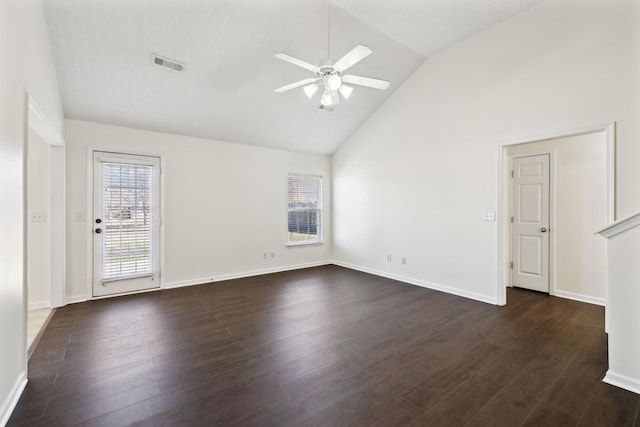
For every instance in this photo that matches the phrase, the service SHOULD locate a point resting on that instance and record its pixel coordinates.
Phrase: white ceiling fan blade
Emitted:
(295, 85)
(296, 61)
(366, 81)
(356, 55)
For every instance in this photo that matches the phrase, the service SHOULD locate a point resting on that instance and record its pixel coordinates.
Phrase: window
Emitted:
(305, 209)
(127, 226)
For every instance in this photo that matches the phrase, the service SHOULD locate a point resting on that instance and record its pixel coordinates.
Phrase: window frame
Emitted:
(319, 211)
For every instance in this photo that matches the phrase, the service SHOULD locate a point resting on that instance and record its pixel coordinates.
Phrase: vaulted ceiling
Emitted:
(103, 48)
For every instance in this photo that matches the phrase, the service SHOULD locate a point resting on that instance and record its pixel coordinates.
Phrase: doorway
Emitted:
(581, 200)
(125, 223)
(44, 222)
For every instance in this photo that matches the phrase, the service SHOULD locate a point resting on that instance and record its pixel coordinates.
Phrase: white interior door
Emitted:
(530, 228)
(125, 223)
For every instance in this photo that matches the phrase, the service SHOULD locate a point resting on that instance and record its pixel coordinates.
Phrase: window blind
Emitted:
(127, 220)
(305, 209)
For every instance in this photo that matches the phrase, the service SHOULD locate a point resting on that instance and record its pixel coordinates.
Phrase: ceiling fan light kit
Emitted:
(311, 89)
(329, 76)
(345, 91)
(332, 82)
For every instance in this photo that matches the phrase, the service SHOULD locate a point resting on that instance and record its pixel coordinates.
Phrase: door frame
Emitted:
(88, 219)
(38, 121)
(504, 175)
(552, 212)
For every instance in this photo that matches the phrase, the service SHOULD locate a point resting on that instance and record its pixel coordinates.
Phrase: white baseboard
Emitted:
(622, 381)
(12, 399)
(209, 279)
(421, 283)
(231, 276)
(39, 304)
(580, 297)
(219, 278)
(77, 298)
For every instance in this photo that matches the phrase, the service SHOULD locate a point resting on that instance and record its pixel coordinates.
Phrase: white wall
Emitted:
(25, 65)
(580, 201)
(39, 255)
(225, 204)
(416, 179)
(623, 316)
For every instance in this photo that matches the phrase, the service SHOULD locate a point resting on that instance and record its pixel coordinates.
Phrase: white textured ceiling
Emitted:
(429, 26)
(102, 51)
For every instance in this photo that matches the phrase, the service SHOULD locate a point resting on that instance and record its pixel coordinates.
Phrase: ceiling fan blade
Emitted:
(296, 61)
(356, 55)
(366, 81)
(296, 84)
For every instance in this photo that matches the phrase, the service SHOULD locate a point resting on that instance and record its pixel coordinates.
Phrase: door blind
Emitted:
(127, 220)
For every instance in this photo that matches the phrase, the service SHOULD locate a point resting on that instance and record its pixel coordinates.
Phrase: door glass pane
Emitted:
(127, 220)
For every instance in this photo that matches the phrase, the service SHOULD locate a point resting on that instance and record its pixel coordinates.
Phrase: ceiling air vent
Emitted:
(167, 64)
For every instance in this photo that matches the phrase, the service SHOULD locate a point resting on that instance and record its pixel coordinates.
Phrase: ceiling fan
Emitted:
(329, 75)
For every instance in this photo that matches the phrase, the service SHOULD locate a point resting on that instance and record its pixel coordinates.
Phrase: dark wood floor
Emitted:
(323, 346)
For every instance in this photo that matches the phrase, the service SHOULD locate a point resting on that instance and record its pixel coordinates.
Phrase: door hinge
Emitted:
(511, 264)
(511, 174)
(512, 220)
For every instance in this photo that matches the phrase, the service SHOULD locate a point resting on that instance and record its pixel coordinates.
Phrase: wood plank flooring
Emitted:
(324, 346)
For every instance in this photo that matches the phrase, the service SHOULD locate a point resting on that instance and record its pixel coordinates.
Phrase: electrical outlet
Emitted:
(389, 258)
(404, 259)
(264, 255)
(489, 216)
(273, 254)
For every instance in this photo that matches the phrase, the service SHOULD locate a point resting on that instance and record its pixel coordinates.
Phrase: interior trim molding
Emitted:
(622, 381)
(231, 276)
(36, 305)
(203, 280)
(579, 297)
(76, 299)
(12, 399)
(38, 121)
(620, 225)
(421, 283)
(503, 171)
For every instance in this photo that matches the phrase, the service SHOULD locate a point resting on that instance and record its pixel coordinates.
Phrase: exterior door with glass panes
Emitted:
(125, 223)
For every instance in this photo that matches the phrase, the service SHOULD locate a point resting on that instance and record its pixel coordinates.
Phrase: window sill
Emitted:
(304, 244)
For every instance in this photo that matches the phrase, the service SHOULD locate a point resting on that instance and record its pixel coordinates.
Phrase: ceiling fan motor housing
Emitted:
(325, 68)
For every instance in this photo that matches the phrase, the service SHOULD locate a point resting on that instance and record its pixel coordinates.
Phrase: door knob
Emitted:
(544, 230)
(98, 230)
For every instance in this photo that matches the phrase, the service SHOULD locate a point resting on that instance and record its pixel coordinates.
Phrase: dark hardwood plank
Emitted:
(324, 346)
(611, 406)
